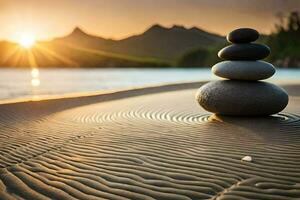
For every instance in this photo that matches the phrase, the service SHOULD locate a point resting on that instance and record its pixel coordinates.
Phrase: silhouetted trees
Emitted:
(285, 41)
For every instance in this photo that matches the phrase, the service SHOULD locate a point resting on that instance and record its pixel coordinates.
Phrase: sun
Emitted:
(26, 41)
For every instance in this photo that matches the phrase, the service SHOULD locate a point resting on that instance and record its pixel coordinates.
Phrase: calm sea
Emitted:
(19, 83)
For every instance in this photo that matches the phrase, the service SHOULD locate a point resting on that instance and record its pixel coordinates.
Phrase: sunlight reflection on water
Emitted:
(35, 73)
(35, 80)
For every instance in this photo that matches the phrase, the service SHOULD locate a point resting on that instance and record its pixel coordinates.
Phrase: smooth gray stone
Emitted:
(250, 51)
(244, 70)
(242, 98)
(243, 35)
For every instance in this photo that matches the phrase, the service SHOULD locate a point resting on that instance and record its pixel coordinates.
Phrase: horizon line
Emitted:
(123, 38)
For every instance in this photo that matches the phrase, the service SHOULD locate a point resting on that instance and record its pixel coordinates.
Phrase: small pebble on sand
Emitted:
(247, 158)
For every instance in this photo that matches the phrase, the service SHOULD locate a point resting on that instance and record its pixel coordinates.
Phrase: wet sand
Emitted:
(153, 143)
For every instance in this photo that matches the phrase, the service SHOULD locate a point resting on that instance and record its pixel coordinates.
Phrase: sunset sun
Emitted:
(26, 41)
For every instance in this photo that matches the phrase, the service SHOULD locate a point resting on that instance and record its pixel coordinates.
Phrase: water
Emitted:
(20, 83)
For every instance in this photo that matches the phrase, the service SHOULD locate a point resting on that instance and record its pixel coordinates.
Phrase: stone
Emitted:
(247, 159)
(249, 51)
(243, 35)
(242, 98)
(244, 70)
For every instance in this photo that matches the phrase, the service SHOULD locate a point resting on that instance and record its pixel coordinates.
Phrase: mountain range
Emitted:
(157, 41)
(157, 46)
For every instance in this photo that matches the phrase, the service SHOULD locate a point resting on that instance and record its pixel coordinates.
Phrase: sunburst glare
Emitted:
(26, 41)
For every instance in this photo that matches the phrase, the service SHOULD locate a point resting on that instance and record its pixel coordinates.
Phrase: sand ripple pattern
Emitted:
(157, 114)
(158, 146)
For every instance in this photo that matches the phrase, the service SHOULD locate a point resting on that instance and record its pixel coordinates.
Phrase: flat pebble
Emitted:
(244, 70)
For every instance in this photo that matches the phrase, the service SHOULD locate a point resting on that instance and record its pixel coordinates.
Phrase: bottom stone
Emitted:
(242, 98)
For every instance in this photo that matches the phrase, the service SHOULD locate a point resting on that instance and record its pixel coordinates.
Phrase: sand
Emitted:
(153, 143)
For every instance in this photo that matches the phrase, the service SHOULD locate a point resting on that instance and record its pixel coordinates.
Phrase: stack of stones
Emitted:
(243, 94)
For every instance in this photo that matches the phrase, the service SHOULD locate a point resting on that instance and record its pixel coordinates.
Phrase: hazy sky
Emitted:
(120, 18)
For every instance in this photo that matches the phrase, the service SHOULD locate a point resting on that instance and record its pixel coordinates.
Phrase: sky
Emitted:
(117, 19)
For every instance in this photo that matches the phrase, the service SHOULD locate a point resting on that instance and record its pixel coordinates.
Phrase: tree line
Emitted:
(284, 43)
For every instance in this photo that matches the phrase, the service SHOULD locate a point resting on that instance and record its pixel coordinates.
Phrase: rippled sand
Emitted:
(154, 143)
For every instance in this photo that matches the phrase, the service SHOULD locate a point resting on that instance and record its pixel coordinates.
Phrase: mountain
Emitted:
(80, 38)
(157, 41)
(167, 43)
(156, 47)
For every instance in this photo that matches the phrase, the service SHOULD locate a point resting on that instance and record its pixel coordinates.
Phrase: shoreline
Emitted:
(127, 92)
(104, 81)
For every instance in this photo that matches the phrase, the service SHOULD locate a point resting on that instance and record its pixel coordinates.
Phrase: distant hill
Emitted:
(157, 41)
(80, 38)
(158, 46)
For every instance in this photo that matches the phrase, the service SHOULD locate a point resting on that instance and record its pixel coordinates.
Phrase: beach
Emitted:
(146, 143)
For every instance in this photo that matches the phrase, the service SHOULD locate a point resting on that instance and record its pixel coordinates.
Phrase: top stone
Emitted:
(243, 35)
